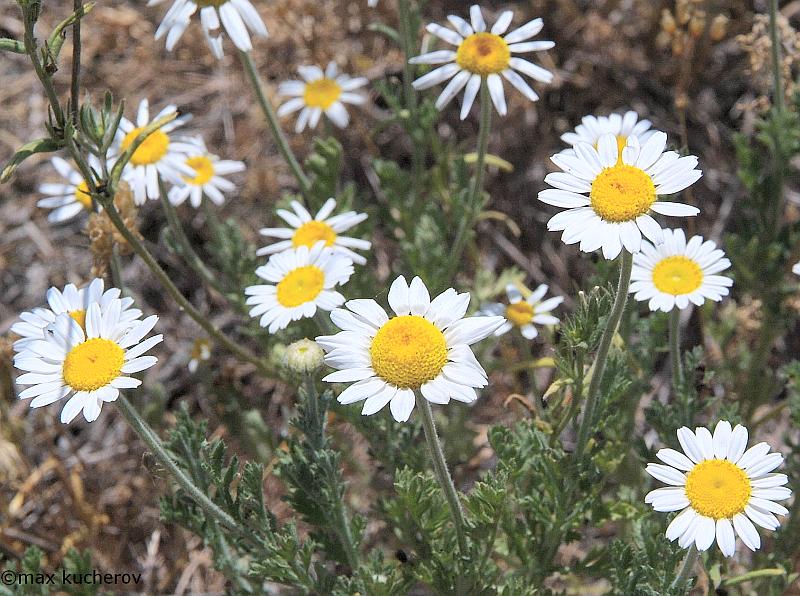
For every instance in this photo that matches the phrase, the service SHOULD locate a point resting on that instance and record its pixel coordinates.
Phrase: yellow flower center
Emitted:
(204, 170)
(152, 149)
(93, 364)
(718, 489)
(408, 351)
(677, 275)
(483, 54)
(82, 195)
(321, 93)
(79, 316)
(300, 285)
(312, 232)
(519, 313)
(206, 3)
(622, 193)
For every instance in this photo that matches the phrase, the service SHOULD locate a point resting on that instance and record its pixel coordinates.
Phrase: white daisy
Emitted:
(208, 179)
(301, 280)
(593, 127)
(720, 488)
(482, 55)
(237, 16)
(424, 348)
(66, 200)
(159, 155)
(73, 302)
(677, 272)
(90, 366)
(201, 351)
(524, 312)
(608, 199)
(307, 231)
(320, 92)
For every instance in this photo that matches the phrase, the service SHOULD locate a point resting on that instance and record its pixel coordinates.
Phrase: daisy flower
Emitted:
(159, 155)
(720, 488)
(608, 199)
(208, 179)
(237, 16)
(73, 302)
(66, 200)
(320, 92)
(301, 280)
(677, 272)
(90, 365)
(425, 349)
(201, 351)
(307, 231)
(482, 55)
(623, 126)
(522, 313)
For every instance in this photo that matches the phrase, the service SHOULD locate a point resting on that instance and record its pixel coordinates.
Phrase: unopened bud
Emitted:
(304, 356)
(719, 28)
(697, 25)
(667, 22)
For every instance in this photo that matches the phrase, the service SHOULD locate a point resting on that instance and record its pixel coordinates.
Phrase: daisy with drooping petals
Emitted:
(91, 366)
(300, 281)
(159, 155)
(237, 16)
(307, 231)
(523, 313)
(483, 56)
(74, 302)
(208, 179)
(66, 200)
(320, 93)
(623, 126)
(425, 349)
(677, 272)
(720, 488)
(608, 199)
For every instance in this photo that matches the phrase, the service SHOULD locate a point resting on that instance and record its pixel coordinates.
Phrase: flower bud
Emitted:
(304, 356)
(718, 28)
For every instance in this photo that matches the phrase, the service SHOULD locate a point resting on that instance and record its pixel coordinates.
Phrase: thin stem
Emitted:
(47, 83)
(440, 469)
(675, 348)
(602, 352)
(687, 568)
(274, 125)
(408, 43)
(76, 61)
(777, 70)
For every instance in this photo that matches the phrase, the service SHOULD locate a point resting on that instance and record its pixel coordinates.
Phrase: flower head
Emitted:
(237, 16)
(304, 356)
(208, 178)
(482, 55)
(307, 231)
(300, 280)
(89, 363)
(623, 126)
(425, 349)
(677, 272)
(66, 200)
(524, 313)
(719, 488)
(321, 93)
(608, 198)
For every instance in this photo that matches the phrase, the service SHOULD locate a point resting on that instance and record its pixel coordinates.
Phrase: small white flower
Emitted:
(208, 179)
(320, 93)
(300, 281)
(237, 16)
(425, 349)
(593, 127)
(307, 231)
(720, 489)
(482, 55)
(304, 356)
(159, 155)
(66, 200)
(201, 352)
(523, 313)
(608, 196)
(73, 302)
(677, 272)
(91, 366)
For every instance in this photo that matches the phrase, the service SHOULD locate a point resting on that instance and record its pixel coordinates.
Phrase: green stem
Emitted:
(274, 125)
(602, 352)
(76, 62)
(408, 43)
(675, 348)
(689, 561)
(440, 469)
(29, 40)
(777, 70)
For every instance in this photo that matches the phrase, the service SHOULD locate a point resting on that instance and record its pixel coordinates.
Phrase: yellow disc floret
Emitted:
(79, 316)
(520, 313)
(312, 232)
(718, 489)
(204, 170)
(321, 93)
(93, 364)
(82, 195)
(152, 149)
(483, 54)
(408, 351)
(677, 275)
(622, 193)
(207, 3)
(300, 285)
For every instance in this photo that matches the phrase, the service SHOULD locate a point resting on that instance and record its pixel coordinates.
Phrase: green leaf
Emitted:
(24, 152)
